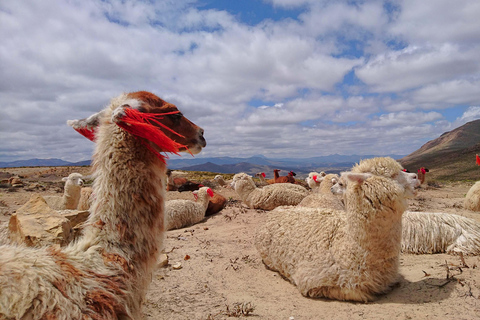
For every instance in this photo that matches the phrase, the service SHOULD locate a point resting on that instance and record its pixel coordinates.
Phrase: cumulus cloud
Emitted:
(348, 77)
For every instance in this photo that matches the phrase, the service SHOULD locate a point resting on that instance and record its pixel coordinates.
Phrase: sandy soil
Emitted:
(214, 271)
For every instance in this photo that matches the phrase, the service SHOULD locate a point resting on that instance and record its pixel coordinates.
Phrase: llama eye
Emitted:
(176, 117)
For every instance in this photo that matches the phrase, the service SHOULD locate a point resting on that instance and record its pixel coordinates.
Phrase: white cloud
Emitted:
(65, 60)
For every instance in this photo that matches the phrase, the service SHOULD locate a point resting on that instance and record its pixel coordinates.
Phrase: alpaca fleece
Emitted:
(351, 255)
(268, 197)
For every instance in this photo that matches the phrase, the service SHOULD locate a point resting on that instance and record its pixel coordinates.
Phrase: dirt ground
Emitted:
(215, 272)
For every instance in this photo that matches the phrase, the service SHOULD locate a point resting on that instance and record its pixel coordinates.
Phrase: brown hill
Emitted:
(451, 156)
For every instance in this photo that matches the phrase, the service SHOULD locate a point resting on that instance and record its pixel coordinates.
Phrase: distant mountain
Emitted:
(43, 163)
(258, 163)
(302, 166)
(450, 156)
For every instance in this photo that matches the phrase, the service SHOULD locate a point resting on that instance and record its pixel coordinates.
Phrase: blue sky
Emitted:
(282, 78)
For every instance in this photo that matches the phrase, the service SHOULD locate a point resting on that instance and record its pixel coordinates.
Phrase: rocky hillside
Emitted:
(451, 156)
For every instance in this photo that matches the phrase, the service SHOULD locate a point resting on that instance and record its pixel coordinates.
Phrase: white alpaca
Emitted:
(428, 232)
(268, 197)
(71, 194)
(314, 179)
(343, 255)
(183, 213)
(439, 232)
(106, 273)
(472, 199)
(322, 196)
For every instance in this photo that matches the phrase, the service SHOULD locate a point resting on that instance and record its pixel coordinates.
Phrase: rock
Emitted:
(16, 182)
(163, 260)
(36, 224)
(39, 229)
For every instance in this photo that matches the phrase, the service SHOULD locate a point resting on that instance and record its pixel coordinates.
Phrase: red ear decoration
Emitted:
(263, 173)
(87, 133)
(140, 124)
(195, 195)
(477, 159)
(210, 192)
(314, 178)
(423, 170)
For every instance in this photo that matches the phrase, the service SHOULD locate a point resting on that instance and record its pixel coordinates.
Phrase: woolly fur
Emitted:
(268, 197)
(322, 196)
(71, 193)
(184, 213)
(350, 255)
(105, 274)
(472, 199)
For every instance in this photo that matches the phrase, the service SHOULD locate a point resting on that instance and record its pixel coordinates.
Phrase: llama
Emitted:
(314, 179)
(284, 179)
(472, 199)
(71, 194)
(422, 173)
(181, 213)
(426, 232)
(343, 255)
(322, 196)
(268, 197)
(105, 274)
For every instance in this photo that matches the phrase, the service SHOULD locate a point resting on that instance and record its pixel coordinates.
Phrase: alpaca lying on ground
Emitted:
(439, 232)
(71, 194)
(216, 204)
(422, 174)
(290, 178)
(472, 199)
(429, 232)
(344, 255)
(322, 196)
(183, 213)
(314, 179)
(106, 273)
(268, 197)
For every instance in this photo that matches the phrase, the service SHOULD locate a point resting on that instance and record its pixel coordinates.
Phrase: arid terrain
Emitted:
(215, 272)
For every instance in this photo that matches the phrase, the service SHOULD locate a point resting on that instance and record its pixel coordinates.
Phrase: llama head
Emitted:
(141, 113)
(366, 190)
(385, 167)
(74, 179)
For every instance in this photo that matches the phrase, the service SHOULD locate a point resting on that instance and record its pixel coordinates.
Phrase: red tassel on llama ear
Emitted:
(314, 178)
(87, 133)
(140, 124)
(478, 159)
(263, 174)
(210, 192)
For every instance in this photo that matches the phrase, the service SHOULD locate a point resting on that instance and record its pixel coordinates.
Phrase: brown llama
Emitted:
(422, 173)
(106, 273)
(284, 179)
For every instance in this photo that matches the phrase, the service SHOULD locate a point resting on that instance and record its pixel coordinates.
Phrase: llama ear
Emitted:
(87, 126)
(356, 177)
(64, 179)
(263, 174)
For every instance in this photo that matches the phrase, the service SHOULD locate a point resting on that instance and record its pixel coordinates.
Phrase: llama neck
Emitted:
(127, 215)
(71, 197)
(275, 175)
(376, 227)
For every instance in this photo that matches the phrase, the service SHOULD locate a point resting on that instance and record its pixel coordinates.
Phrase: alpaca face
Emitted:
(191, 134)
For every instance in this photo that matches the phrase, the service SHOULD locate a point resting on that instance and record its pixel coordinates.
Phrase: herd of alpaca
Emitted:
(340, 240)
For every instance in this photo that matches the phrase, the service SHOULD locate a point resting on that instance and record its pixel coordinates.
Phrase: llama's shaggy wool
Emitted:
(105, 274)
(472, 199)
(351, 255)
(268, 197)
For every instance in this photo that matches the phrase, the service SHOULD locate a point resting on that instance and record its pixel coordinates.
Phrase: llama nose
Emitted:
(202, 138)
